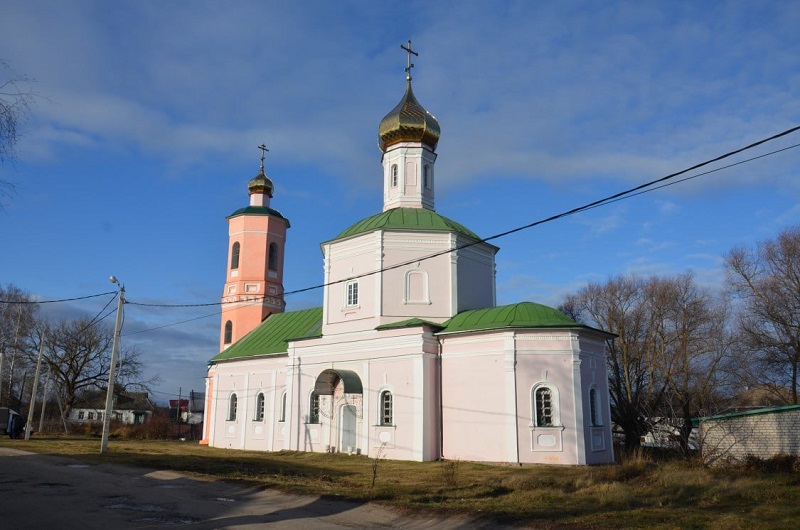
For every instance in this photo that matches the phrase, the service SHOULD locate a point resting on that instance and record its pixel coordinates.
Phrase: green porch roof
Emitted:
(272, 335)
(258, 210)
(410, 323)
(520, 315)
(408, 219)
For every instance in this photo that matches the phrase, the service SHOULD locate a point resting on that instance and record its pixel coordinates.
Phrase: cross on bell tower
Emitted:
(410, 52)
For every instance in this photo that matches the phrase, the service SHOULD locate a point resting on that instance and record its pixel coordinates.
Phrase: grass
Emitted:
(639, 492)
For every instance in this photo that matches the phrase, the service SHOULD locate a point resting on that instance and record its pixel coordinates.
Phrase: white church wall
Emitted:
(475, 277)
(396, 360)
(432, 298)
(594, 377)
(344, 261)
(474, 405)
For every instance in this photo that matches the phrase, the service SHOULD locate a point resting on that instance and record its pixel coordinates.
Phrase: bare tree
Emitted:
(692, 349)
(16, 99)
(619, 306)
(766, 280)
(17, 318)
(78, 353)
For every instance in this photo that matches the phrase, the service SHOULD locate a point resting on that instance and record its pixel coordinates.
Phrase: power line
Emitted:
(173, 324)
(54, 301)
(626, 194)
(631, 192)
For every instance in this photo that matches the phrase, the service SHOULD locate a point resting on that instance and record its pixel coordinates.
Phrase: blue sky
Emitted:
(145, 136)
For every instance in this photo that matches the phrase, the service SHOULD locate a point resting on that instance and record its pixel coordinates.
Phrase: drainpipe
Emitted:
(441, 404)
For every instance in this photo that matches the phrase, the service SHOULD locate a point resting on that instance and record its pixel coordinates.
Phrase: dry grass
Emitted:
(639, 492)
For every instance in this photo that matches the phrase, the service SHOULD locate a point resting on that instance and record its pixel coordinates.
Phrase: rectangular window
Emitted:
(80, 414)
(91, 415)
(352, 294)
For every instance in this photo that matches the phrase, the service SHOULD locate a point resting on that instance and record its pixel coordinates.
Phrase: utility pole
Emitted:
(114, 348)
(44, 398)
(29, 424)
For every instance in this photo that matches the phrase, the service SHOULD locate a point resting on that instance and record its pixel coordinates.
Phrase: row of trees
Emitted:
(76, 354)
(684, 351)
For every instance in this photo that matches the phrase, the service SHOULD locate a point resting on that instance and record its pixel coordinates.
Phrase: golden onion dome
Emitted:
(261, 183)
(408, 122)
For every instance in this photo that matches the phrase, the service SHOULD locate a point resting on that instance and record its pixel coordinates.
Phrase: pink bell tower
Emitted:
(254, 277)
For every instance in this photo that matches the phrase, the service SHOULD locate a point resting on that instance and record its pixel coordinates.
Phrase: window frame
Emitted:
(272, 257)
(258, 414)
(282, 408)
(595, 415)
(233, 407)
(236, 249)
(385, 399)
(537, 410)
(313, 408)
(351, 293)
(227, 336)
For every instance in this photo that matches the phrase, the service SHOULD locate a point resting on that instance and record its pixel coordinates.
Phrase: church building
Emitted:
(409, 357)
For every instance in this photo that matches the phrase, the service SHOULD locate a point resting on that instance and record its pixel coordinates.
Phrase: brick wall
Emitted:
(763, 433)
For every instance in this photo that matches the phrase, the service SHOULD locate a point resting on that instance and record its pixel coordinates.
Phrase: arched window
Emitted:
(272, 262)
(426, 176)
(394, 175)
(282, 411)
(232, 407)
(386, 408)
(313, 408)
(228, 332)
(545, 406)
(259, 414)
(235, 256)
(594, 408)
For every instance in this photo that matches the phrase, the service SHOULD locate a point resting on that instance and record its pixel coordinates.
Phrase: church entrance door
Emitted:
(349, 427)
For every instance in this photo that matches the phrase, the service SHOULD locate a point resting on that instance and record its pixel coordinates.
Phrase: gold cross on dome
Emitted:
(410, 52)
(264, 150)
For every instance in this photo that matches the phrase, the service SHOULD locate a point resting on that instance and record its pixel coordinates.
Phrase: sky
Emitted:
(148, 115)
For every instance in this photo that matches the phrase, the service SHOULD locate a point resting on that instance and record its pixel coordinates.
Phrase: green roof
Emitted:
(272, 335)
(754, 412)
(410, 323)
(408, 219)
(520, 315)
(258, 210)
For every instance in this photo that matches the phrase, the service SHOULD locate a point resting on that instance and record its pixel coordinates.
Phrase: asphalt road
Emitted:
(44, 492)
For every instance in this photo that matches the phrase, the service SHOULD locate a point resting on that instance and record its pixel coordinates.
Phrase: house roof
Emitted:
(123, 401)
(519, 315)
(408, 219)
(273, 335)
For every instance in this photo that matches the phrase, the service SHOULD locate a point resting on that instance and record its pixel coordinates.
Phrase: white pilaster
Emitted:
(512, 431)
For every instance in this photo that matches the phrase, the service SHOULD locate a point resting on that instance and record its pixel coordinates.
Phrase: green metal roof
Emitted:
(754, 412)
(520, 315)
(410, 323)
(272, 335)
(408, 219)
(258, 210)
